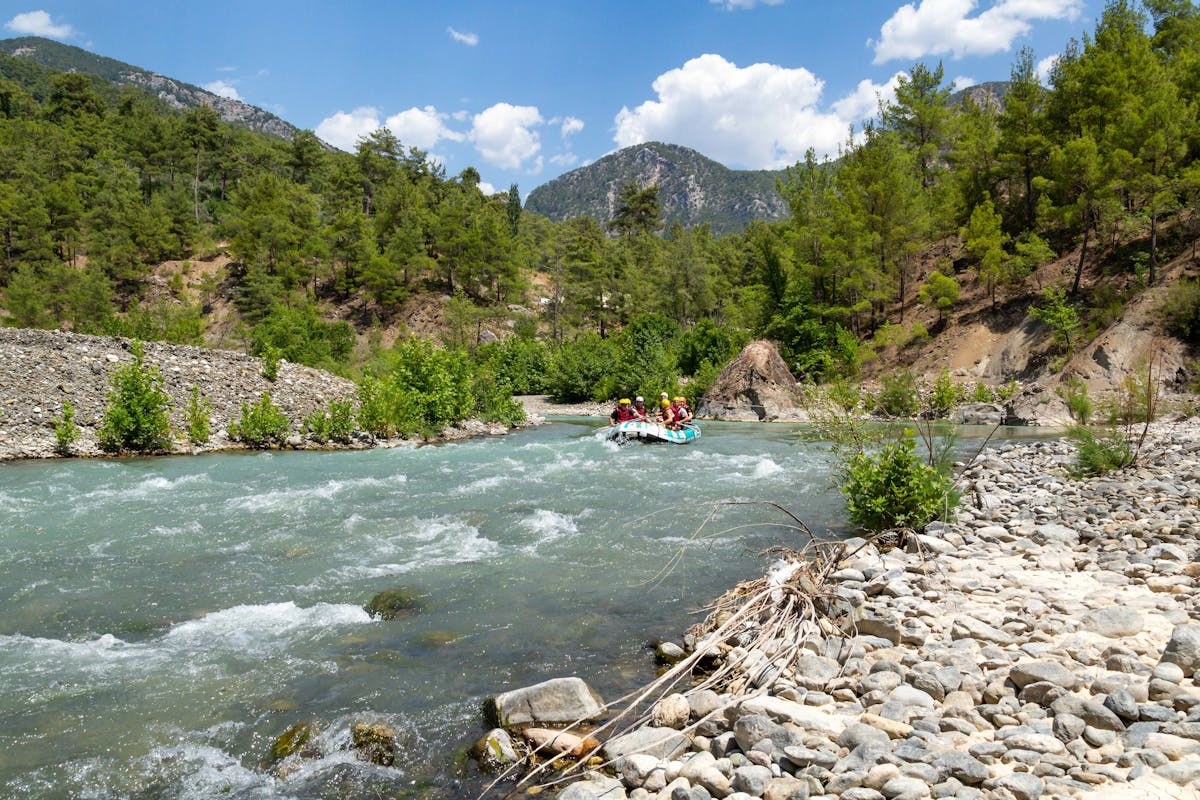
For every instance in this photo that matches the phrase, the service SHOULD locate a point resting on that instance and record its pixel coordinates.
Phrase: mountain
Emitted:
(176, 94)
(692, 189)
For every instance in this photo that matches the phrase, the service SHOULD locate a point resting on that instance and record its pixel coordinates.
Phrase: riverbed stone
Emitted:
(657, 742)
(1183, 648)
(558, 700)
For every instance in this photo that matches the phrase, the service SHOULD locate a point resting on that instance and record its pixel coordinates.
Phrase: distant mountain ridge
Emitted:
(693, 189)
(176, 94)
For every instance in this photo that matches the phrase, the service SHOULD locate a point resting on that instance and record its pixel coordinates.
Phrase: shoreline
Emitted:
(1046, 644)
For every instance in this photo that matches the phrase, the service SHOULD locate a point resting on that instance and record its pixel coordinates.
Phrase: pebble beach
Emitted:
(1045, 644)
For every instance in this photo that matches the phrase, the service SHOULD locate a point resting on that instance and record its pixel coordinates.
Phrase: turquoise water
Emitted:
(165, 619)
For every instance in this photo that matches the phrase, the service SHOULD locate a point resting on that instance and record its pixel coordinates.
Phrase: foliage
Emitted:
(197, 416)
(261, 425)
(1075, 394)
(271, 356)
(706, 341)
(898, 396)
(1059, 315)
(845, 395)
(135, 418)
(1180, 311)
(982, 393)
(522, 363)
(66, 431)
(940, 292)
(299, 334)
(1098, 453)
(579, 367)
(494, 401)
(895, 488)
(334, 423)
(417, 387)
(943, 396)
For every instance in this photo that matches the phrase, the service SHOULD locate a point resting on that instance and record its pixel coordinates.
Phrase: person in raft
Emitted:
(622, 413)
(665, 415)
(639, 408)
(682, 415)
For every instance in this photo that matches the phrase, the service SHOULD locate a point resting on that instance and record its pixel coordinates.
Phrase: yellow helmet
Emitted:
(624, 401)
(678, 399)
(664, 402)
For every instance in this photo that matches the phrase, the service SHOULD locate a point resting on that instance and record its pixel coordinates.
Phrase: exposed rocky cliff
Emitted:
(692, 189)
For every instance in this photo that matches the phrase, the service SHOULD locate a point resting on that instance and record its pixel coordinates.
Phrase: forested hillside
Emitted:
(118, 215)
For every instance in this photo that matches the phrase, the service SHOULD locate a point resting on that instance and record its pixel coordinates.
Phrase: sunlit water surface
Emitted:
(165, 619)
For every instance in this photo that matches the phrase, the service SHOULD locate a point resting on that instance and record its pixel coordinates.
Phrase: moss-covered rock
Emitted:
(296, 740)
(375, 742)
(402, 601)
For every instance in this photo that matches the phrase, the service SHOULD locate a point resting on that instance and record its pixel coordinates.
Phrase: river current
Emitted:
(165, 619)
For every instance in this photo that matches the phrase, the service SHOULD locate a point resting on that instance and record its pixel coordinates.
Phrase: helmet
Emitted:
(639, 399)
(624, 401)
(678, 399)
(664, 402)
(664, 395)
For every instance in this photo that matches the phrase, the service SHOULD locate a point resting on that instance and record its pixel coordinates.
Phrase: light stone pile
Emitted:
(1045, 645)
(42, 370)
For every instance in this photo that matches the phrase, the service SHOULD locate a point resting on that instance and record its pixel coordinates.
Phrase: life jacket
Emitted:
(667, 415)
(682, 414)
(641, 411)
(624, 414)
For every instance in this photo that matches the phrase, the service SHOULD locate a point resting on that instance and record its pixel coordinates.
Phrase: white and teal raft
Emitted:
(644, 431)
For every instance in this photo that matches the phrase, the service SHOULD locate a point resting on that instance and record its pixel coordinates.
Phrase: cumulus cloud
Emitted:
(469, 39)
(507, 137)
(564, 159)
(1045, 67)
(743, 5)
(863, 102)
(963, 82)
(223, 89)
(343, 130)
(38, 23)
(947, 27)
(762, 116)
(421, 127)
(571, 126)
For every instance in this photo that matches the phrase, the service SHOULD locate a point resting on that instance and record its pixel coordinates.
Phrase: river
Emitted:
(165, 619)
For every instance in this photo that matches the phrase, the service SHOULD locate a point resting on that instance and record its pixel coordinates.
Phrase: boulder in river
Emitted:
(402, 601)
(375, 742)
(558, 700)
(300, 739)
(755, 386)
(495, 750)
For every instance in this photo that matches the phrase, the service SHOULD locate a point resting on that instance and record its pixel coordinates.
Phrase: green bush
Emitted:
(261, 425)
(522, 363)
(845, 394)
(136, 417)
(579, 367)
(66, 432)
(1075, 394)
(1181, 310)
(1100, 453)
(703, 378)
(299, 334)
(944, 395)
(417, 387)
(271, 356)
(894, 488)
(494, 401)
(334, 423)
(384, 408)
(197, 415)
(898, 395)
(707, 342)
(982, 393)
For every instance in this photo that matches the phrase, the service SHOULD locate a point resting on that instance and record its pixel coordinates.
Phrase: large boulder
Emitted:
(558, 700)
(755, 386)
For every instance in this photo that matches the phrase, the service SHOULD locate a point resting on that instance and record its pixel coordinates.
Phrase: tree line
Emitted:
(98, 187)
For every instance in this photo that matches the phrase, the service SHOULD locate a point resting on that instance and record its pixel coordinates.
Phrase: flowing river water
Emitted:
(165, 619)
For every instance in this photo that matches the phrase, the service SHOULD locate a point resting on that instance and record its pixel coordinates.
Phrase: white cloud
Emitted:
(571, 126)
(963, 82)
(1045, 67)
(487, 188)
(762, 116)
(469, 39)
(421, 127)
(343, 130)
(223, 89)
(226, 69)
(38, 23)
(506, 136)
(863, 102)
(743, 5)
(940, 27)
(564, 159)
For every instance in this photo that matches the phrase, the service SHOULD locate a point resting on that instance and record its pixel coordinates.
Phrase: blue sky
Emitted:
(525, 90)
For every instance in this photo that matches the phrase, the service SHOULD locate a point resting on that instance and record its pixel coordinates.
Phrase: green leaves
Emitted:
(894, 488)
(261, 425)
(136, 417)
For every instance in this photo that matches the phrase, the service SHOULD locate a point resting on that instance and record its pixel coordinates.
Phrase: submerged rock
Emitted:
(495, 750)
(298, 740)
(375, 742)
(402, 601)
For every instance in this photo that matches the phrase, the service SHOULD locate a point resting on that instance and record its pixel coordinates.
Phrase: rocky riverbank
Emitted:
(41, 370)
(1044, 645)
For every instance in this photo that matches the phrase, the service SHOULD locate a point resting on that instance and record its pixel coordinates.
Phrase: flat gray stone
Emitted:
(657, 742)
(557, 700)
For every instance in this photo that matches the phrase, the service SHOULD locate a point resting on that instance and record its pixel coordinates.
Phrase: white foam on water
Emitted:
(286, 499)
(424, 543)
(190, 528)
(258, 627)
(146, 488)
(547, 526)
(481, 485)
(201, 772)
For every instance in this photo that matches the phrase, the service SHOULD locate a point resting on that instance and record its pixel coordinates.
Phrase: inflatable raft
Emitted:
(644, 431)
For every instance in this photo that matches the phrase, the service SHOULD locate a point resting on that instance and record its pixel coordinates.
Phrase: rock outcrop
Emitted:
(755, 386)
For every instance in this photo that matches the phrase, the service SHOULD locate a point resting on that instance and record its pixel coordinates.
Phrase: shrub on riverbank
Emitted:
(261, 425)
(136, 417)
(894, 488)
